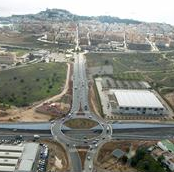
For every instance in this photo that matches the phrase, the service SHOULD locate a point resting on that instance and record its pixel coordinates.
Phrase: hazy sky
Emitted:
(145, 10)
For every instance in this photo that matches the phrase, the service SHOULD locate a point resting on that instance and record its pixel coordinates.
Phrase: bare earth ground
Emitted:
(17, 114)
(82, 154)
(28, 114)
(58, 159)
(12, 38)
(93, 101)
(105, 160)
(80, 123)
(170, 98)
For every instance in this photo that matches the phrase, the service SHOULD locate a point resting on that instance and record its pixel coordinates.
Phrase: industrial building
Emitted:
(19, 158)
(142, 102)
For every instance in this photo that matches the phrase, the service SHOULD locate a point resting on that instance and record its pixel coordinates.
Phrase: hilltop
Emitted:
(64, 15)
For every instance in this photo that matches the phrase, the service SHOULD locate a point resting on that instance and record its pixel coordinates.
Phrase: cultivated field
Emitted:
(27, 40)
(156, 68)
(25, 85)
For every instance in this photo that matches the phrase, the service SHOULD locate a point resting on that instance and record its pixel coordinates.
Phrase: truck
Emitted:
(36, 136)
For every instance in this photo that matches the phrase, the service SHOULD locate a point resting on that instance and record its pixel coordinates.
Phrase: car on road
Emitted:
(86, 107)
(88, 157)
(90, 147)
(69, 115)
(94, 142)
(36, 136)
(62, 119)
(107, 129)
(90, 167)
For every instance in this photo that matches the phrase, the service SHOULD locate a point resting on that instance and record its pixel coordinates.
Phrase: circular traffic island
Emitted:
(81, 123)
(81, 129)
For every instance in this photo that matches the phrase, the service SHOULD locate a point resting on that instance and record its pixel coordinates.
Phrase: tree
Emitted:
(146, 165)
(106, 62)
(31, 56)
(18, 63)
(14, 78)
(21, 80)
(50, 87)
(161, 158)
(124, 159)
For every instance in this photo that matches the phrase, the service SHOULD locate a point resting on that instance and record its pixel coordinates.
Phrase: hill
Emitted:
(64, 15)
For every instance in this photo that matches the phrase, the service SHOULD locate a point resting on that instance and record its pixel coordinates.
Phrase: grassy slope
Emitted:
(26, 85)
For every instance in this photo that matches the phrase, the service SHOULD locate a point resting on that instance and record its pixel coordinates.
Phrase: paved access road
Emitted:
(80, 102)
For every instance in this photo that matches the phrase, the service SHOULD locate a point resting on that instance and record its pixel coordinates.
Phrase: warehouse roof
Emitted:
(11, 148)
(168, 144)
(22, 156)
(10, 154)
(7, 168)
(28, 156)
(30, 151)
(137, 98)
(4, 161)
(26, 165)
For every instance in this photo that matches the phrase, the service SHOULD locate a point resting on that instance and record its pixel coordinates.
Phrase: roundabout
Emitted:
(88, 133)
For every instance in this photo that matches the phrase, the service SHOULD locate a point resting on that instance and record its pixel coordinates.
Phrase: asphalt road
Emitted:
(74, 138)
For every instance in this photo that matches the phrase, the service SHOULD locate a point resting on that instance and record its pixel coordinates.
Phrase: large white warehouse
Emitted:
(137, 102)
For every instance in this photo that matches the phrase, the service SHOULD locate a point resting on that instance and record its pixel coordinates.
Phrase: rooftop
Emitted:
(118, 153)
(22, 157)
(28, 156)
(137, 98)
(11, 148)
(169, 145)
(8, 161)
(10, 155)
(7, 168)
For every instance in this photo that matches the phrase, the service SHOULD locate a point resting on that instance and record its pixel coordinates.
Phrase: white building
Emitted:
(137, 102)
(18, 158)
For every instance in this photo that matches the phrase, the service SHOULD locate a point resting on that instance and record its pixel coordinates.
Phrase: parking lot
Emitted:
(11, 142)
(110, 83)
(43, 158)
